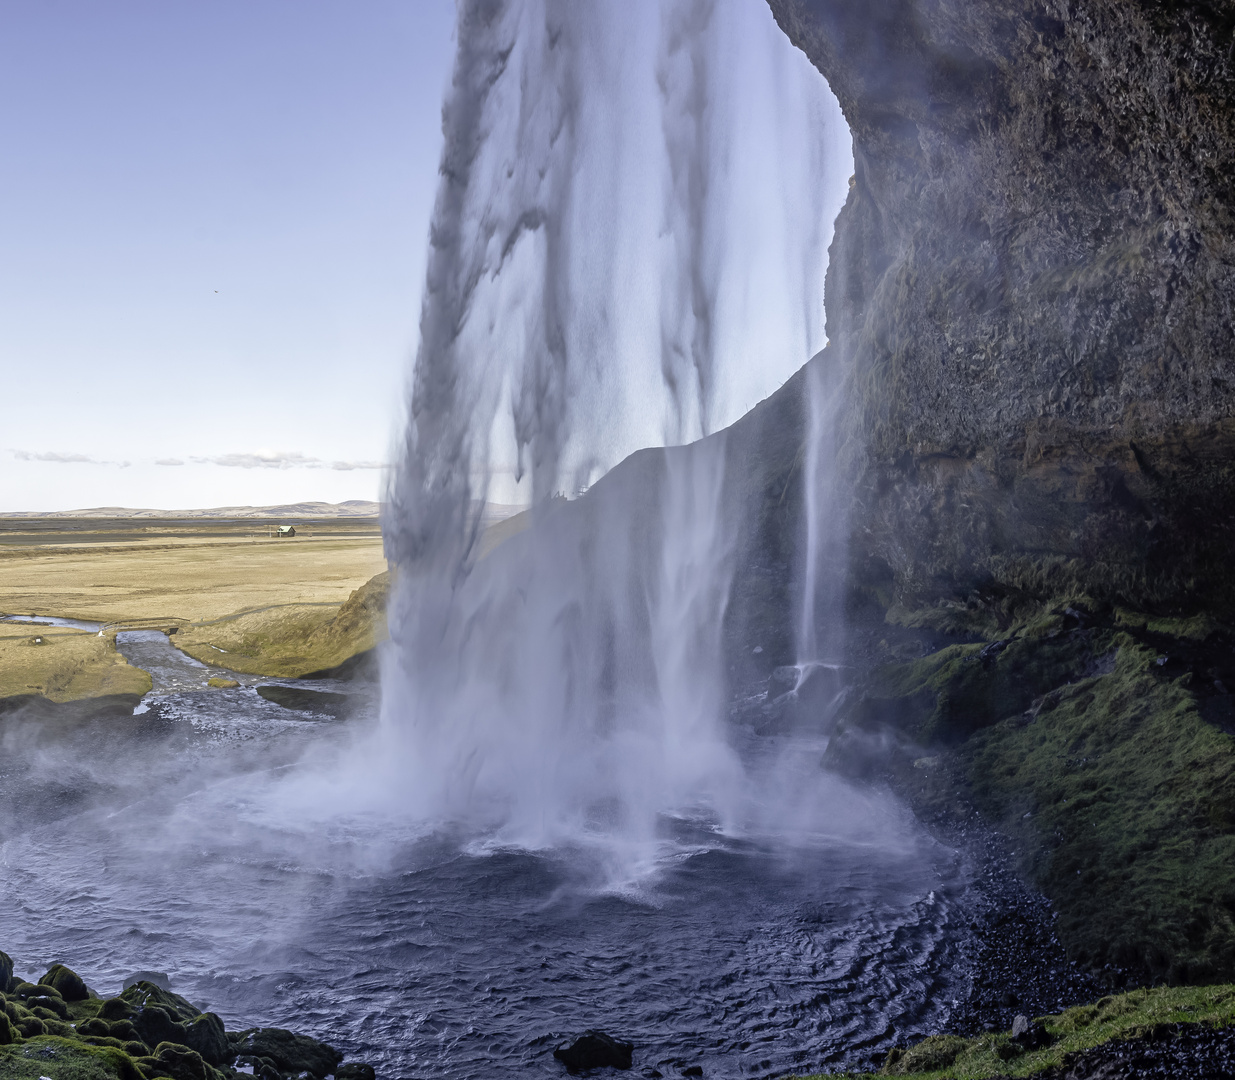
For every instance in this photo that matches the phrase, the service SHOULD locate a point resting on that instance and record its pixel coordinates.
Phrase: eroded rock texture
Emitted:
(1031, 288)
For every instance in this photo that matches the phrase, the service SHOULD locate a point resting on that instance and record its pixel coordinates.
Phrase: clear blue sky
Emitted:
(213, 219)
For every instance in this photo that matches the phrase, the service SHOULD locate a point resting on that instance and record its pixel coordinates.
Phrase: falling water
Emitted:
(628, 250)
(627, 253)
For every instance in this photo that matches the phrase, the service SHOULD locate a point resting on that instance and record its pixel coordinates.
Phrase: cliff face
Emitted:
(1031, 290)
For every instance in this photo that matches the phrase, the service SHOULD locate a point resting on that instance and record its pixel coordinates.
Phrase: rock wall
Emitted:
(1031, 291)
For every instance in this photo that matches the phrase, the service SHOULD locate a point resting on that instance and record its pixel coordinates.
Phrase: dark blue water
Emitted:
(151, 843)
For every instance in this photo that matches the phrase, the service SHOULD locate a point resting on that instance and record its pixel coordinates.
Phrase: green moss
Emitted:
(954, 692)
(1123, 1016)
(1124, 800)
(65, 1059)
(1070, 734)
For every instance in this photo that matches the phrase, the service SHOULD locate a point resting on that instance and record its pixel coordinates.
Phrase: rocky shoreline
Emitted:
(58, 1028)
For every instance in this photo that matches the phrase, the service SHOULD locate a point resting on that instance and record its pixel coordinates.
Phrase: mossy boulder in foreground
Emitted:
(58, 1028)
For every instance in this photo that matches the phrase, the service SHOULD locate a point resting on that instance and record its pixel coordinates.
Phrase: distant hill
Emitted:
(353, 508)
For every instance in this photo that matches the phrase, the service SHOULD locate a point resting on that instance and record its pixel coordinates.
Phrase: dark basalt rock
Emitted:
(1028, 291)
(289, 1052)
(143, 994)
(1196, 1051)
(594, 1050)
(181, 1063)
(291, 697)
(355, 1071)
(7, 982)
(205, 1034)
(154, 1025)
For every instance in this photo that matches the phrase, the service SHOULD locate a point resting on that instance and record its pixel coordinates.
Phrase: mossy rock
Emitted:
(116, 1008)
(143, 994)
(6, 973)
(1125, 799)
(217, 682)
(182, 1063)
(66, 1059)
(290, 1053)
(205, 1035)
(66, 982)
(50, 1003)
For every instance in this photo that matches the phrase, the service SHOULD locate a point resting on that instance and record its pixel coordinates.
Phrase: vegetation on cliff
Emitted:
(1052, 1043)
(1094, 739)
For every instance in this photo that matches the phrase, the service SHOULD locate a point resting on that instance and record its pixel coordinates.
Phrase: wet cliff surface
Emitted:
(1030, 291)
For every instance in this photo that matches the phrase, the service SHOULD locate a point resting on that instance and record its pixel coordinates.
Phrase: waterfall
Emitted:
(627, 251)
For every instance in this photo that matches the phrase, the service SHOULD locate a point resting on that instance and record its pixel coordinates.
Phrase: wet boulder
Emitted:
(181, 1063)
(205, 1034)
(312, 701)
(114, 1009)
(47, 1005)
(6, 973)
(144, 993)
(290, 1053)
(355, 1070)
(1028, 1035)
(594, 1050)
(67, 982)
(155, 1025)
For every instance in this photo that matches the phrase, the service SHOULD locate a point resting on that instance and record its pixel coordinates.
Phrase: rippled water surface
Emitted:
(149, 842)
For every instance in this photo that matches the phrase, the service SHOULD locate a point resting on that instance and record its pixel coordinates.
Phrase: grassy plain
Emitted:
(247, 600)
(63, 665)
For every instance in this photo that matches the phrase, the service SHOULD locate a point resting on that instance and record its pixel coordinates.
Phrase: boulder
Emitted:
(114, 1009)
(321, 701)
(6, 973)
(355, 1070)
(155, 1025)
(181, 1063)
(145, 993)
(1028, 1035)
(217, 682)
(47, 1004)
(67, 982)
(159, 978)
(291, 1053)
(594, 1050)
(205, 1034)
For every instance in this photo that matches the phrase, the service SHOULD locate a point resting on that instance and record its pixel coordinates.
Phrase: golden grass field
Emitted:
(273, 605)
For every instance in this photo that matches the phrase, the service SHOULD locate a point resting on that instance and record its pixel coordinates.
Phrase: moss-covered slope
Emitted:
(1097, 743)
(292, 640)
(1053, 1043)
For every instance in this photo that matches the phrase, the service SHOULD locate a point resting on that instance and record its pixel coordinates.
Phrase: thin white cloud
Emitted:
(263, 459)
(347, 466)
(58, 458)
(169, 461)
